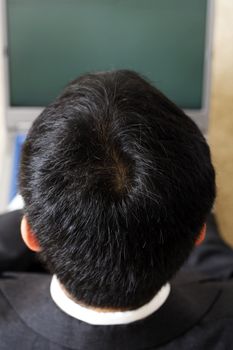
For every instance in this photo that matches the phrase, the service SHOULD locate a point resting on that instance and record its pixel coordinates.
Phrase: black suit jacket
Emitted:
(198, 314)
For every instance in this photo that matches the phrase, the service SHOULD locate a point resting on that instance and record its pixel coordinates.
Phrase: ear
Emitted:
(28, 236)
(201, 236)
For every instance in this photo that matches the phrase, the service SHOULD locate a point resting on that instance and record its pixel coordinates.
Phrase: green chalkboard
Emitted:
(51, 42)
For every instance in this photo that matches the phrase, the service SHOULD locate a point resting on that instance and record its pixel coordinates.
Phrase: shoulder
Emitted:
(211, 301)
(22, 288)
(17, 290)
(29, 310)
(217, 294)
(223, 308)
(24, 281)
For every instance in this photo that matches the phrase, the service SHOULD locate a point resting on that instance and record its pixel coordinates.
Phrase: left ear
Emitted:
(201, 236)
(28, 236)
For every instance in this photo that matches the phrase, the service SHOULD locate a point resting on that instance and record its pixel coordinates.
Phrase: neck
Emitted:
(94, 308)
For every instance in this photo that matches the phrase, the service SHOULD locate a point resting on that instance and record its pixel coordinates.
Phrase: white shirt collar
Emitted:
(93, 317)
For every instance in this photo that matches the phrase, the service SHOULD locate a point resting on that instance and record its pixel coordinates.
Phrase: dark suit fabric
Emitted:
(197, 315)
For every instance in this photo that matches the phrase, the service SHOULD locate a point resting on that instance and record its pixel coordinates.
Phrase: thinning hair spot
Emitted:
(121, 172)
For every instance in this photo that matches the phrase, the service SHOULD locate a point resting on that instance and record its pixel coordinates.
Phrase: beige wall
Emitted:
(221, 117)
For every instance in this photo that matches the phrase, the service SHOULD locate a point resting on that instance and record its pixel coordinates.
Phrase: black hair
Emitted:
(117, 183)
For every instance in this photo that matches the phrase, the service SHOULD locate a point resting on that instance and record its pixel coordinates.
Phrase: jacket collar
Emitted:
(186, 305)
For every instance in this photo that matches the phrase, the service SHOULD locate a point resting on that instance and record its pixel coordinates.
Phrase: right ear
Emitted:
(201, 236)
(28, 236)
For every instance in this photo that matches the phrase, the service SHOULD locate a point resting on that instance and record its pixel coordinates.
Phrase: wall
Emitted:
(221, 116)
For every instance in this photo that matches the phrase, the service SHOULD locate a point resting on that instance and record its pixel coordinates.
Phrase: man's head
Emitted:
(117, 183)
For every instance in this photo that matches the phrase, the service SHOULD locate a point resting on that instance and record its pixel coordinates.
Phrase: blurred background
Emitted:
(184, 47)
